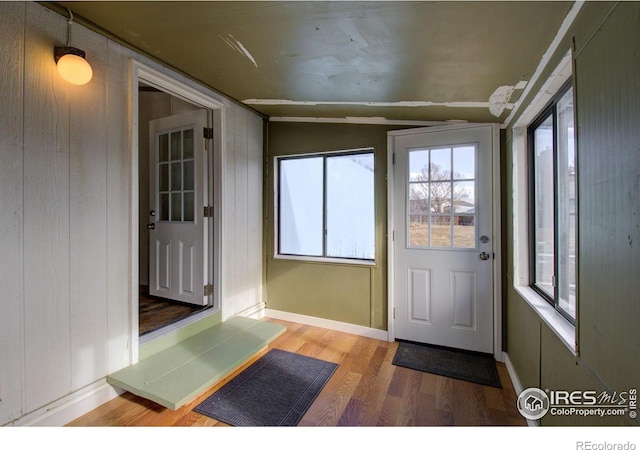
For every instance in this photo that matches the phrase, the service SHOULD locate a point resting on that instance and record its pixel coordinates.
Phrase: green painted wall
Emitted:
(607, 93)
(355, 294)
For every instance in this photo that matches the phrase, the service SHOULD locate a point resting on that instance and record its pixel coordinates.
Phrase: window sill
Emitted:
(562, 328)
(321, 260)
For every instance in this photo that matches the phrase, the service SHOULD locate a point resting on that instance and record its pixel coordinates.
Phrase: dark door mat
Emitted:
(276, 390)
(464, 365)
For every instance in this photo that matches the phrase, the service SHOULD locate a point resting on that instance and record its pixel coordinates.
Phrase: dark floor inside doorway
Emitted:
(155, 312)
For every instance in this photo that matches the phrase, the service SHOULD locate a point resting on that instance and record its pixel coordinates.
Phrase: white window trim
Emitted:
(563, 329)
(327, 260)
(276, 228)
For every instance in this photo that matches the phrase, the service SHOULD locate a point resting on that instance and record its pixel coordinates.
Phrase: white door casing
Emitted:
(178, 235)
(442, 249)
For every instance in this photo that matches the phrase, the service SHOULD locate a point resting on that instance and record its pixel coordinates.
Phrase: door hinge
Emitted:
(208, 211)
(393, 158)
(208, 289)
(208, 133)
(394, 312)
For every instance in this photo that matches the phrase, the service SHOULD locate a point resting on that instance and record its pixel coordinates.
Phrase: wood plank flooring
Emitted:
(156, 312)
(365, 390)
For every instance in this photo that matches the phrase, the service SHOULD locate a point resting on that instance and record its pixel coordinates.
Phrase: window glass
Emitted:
(566, 206)
(326, 206)
(553, 210)
(176, 176)
(544, 200)
(442, 200)
(301, 203)
(350, 207)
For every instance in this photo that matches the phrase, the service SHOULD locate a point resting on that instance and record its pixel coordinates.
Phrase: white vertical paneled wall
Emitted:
(46, 209)
(255, 198)
(65, 228)
(88, 219)
(243, 211)
(118, 217)
(11, 202)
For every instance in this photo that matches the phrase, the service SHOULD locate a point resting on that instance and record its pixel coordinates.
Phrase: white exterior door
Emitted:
(178, 233)
(443, 237)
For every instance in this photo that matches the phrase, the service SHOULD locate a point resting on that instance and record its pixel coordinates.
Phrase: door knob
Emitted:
(484, 256)
(151, 226)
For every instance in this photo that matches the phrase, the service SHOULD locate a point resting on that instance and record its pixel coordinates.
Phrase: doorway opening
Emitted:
(155, 312)
(176, 194)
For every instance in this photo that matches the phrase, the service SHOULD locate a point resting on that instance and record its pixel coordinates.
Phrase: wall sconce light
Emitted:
(71, 62)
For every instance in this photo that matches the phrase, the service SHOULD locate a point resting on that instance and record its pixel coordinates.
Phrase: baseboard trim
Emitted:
(328, 324)
(70, 407)
(517, 386)
(253, 312)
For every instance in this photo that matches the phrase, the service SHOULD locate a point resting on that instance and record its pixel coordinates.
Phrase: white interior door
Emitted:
(177, 229)
(443, 246)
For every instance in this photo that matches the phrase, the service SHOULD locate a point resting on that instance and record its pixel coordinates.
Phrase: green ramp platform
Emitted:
(178, 374)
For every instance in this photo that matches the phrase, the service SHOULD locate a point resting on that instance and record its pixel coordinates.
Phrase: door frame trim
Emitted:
(497, 227)
(177, 87)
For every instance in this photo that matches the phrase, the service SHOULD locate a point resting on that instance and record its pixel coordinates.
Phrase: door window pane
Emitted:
(163, 174)
(176, 207)
(440, 231)
(164, 147)
(188, 207)
(187, 143)
(164, 207)
(176, 147)
(188, 175)
(440, 198)
(176, 176)
(440, 165)
(464, 232)
(419, 198)
(419, 231)
(464, 197)
(419, 165)
(464, 163)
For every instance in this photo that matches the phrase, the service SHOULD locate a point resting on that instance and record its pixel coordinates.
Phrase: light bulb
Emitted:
(74, 69)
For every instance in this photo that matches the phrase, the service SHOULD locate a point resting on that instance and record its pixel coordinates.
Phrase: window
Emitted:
(326, 205)
(175, 176)
(441, 191)
(552, 177)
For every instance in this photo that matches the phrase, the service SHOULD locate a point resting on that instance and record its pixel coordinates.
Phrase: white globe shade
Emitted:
(75, 69)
